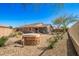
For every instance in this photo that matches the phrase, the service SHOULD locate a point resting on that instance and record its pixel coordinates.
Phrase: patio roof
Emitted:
(35, 25)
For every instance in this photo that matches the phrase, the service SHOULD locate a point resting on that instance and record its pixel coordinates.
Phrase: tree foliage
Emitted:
(64, 21)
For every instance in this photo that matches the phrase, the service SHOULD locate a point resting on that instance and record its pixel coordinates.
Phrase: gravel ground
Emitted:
(11, 50)
(62, 48)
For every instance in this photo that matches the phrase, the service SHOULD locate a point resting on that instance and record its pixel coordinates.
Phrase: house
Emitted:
(36, 28)
(5, 30)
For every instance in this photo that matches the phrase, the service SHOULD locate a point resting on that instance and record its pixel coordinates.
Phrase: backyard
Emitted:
(60, 48)
(39, 39)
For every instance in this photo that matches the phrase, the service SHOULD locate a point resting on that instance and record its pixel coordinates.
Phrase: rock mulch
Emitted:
(61, 48)
(18, 50)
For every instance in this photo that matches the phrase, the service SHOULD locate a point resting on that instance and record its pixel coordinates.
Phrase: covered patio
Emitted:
(38, 28)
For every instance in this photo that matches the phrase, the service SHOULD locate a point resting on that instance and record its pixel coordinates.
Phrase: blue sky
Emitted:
(15, 15)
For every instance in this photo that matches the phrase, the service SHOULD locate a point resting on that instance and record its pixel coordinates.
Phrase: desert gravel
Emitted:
(61, 48)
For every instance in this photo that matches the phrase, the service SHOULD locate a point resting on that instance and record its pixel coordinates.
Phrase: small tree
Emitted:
(63, 22)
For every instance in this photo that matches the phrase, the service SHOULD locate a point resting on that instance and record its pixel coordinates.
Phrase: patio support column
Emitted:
(38, 30)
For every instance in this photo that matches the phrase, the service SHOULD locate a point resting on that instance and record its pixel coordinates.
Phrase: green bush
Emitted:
(3, 39)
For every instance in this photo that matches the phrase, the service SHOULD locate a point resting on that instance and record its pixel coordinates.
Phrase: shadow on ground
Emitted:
(70, 47)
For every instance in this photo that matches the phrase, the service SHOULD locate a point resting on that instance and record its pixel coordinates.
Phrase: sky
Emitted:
(18, 14)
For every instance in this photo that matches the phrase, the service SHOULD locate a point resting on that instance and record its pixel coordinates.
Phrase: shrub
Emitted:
(12, 35)
(51, 43)
(15, 34)
(3, 39)
(19, 33)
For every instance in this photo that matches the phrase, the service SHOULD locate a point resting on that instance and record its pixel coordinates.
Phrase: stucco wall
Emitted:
(74, 33)
(5, 31)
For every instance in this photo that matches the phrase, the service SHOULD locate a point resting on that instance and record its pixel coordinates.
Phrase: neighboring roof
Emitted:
(4, 26)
